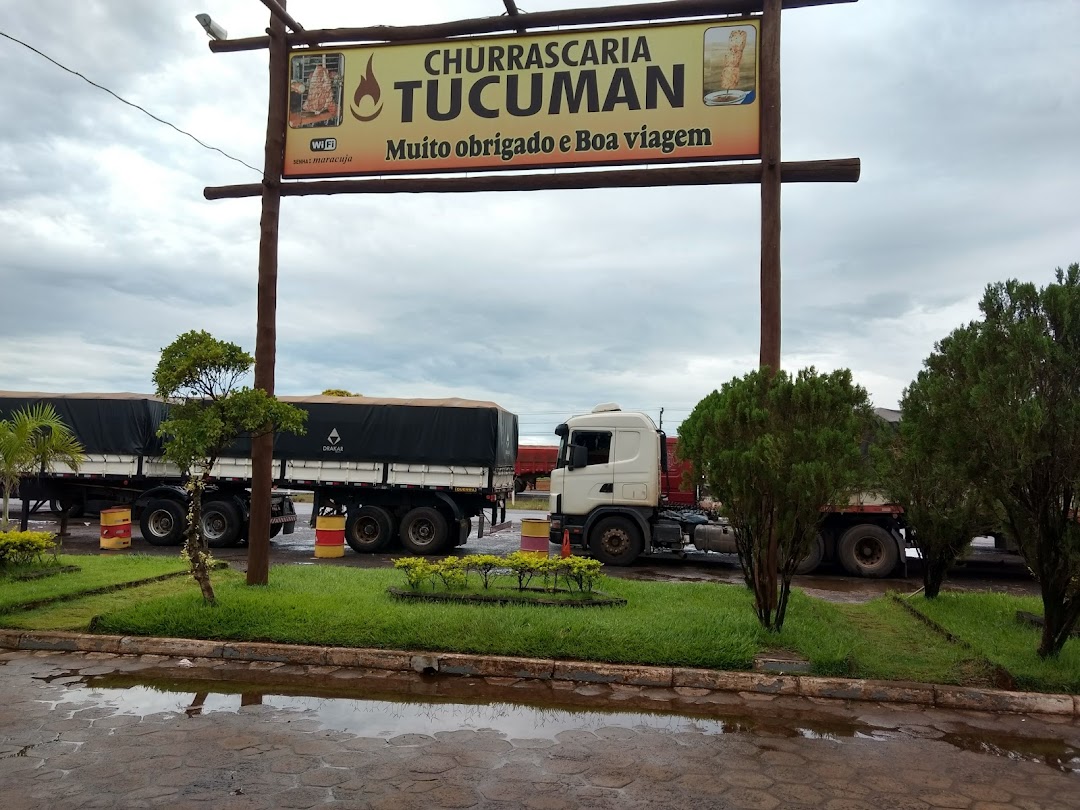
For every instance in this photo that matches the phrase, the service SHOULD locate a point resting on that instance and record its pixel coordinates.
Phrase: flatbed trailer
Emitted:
(417, 470)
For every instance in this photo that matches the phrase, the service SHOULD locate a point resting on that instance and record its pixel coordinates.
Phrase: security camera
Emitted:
(210, 27)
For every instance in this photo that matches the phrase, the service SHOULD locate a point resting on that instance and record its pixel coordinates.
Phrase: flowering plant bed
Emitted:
(554, 597)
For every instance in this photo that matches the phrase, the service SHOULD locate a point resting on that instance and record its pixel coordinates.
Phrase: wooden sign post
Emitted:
(770, 172)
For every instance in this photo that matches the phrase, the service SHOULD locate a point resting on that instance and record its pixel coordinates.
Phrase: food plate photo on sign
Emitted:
(729, 58)
(720, 98)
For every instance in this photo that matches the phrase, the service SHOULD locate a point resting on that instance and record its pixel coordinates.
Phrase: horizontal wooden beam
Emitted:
(845, 170)
(633, 12)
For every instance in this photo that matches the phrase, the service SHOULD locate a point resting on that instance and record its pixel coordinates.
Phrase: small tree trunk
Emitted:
(1060, 614)
(194, 542)
(781, 608)
(933, 575)
(7, 501)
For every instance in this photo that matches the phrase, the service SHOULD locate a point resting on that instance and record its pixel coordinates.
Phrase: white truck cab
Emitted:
(605, 489)
(606, 495)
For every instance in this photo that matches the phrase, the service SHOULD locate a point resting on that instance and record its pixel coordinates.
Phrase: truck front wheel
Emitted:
(424, 530)
(868, 551)
(616, 541)
(162, 522)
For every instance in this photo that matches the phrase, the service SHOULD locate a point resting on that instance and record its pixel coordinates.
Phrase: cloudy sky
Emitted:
(965, 113)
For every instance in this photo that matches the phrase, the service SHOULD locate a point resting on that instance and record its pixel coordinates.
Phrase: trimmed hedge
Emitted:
(452, 573)
(24, 548)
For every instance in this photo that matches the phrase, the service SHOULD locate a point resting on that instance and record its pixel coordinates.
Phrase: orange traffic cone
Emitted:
(566, 543)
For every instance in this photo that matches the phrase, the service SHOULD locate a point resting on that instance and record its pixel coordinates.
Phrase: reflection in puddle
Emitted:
(384, 718)
(375, 711)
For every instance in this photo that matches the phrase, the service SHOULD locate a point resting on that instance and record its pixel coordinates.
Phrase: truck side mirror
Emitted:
(579, 456)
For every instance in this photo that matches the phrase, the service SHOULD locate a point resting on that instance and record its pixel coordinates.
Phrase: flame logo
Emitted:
(368, 88)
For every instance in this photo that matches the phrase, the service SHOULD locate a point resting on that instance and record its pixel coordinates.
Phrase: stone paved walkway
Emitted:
(61, 749)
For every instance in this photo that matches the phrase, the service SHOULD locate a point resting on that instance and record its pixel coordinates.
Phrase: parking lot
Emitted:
(985, 568)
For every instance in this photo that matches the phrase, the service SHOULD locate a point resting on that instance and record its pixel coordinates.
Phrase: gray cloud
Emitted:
(963, 113)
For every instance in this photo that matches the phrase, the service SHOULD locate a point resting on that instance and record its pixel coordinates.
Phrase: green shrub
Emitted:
(580, 571)
(487, 566)
(24, 548)
(524, 567)
(453, 571)
(417, 571)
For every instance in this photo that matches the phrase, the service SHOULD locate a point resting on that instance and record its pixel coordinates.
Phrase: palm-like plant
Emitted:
(32, 439)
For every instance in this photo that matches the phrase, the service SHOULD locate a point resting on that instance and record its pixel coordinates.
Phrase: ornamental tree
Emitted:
(199, 376)
(923, 467)
(1013, 416)
(774, 449)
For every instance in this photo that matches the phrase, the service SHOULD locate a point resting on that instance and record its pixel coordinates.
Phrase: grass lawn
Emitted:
(535, 503)
(987, 621)
(664, 623)
(95, 572)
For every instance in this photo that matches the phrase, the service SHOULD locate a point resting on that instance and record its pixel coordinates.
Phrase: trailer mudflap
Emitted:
(492, 528)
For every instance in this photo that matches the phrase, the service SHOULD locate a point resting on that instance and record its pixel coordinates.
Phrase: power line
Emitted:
(125, 101)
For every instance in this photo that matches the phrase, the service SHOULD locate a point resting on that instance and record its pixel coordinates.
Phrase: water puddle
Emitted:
(417, 704)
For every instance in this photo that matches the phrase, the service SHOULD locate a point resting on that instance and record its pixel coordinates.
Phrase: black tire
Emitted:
(74, 510)
(813, 559)
(616, 541)
(520, 484)
(369, 529)
(424, 530)
(222, 523)
(162, 522)
(868, 551)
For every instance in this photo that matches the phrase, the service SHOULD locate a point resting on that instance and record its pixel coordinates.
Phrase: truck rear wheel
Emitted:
(222, 524)
(424, 530)
(162, 522)
(616, 541)
(520, 484)
(369, 529)
(868, 551)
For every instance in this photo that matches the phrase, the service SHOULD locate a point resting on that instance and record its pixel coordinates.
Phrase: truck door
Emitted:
(586, 488)
(635, 468)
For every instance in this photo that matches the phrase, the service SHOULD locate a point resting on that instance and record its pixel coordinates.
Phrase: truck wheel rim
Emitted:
(368, 529)
(422, 532)
(869, 551)
(615, 541)
(213, 525)
(161, 523)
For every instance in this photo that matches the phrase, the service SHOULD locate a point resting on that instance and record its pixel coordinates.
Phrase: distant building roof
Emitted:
(888, 414)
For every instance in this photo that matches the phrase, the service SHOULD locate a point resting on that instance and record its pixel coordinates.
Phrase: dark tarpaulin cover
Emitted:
(113, 424)
(416, 431)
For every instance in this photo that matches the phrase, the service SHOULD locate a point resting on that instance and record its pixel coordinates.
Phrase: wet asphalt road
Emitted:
(986, 570)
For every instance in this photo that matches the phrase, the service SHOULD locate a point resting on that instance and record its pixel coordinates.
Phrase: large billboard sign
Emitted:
(609, 96)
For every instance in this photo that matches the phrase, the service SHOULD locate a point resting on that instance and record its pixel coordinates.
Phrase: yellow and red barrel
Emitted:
(534, 535)
(116, 528)
(330, 536)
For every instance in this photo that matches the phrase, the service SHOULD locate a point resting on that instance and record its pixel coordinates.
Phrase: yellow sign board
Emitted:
(610, 96)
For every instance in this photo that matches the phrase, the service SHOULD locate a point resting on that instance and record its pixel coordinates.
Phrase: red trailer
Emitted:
(675, 484)
(533, 461)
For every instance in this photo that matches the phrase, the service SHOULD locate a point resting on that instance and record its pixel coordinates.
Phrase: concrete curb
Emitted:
(940, 696)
